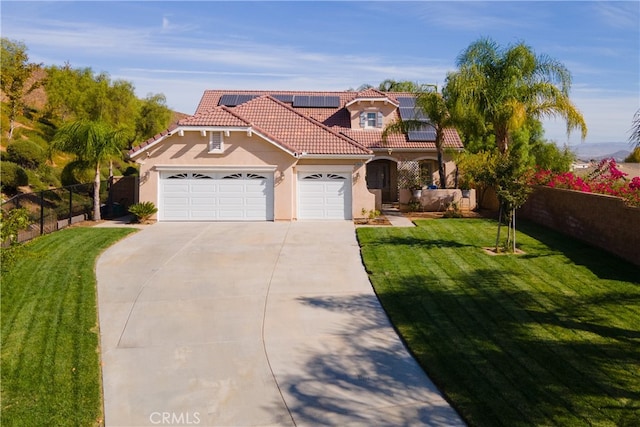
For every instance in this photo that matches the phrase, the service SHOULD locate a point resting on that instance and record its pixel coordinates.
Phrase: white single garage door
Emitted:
(323, 195)
(216, 196)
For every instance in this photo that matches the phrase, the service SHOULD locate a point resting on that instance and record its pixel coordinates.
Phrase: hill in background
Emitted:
(597, 151)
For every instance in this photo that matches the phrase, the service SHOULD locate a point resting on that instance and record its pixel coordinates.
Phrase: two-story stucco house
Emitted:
(285, 155)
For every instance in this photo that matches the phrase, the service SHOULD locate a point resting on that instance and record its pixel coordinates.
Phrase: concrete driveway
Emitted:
(252, 324)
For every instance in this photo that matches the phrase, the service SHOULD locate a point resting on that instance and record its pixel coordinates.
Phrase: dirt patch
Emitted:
(492, 251)
(435, 215)
(375, 221)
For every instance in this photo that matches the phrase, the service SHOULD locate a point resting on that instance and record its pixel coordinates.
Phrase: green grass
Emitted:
(50, 355)
(551, 337)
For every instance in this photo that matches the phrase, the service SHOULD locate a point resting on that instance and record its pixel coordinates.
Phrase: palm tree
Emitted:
(507, 86)
(634, 138)
(93, 142)
(434, 106)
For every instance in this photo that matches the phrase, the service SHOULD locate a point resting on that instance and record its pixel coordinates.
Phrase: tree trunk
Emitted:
(11, 128)
(502, 139)
(96, 194)
(499, 224)
(514, 230)
(441, 172)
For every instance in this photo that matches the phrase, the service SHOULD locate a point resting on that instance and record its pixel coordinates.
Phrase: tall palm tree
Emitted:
(434, 106)
(506, 86)
(93, 142)
(634, 138)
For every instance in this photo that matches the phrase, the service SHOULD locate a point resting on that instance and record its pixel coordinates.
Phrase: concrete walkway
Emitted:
(252, 324)
(396, 218)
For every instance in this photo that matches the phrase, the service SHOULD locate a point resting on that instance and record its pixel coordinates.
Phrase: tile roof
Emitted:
(219, 116)
(325, 130)
(371, 93)
(372, 139)
(295, 129)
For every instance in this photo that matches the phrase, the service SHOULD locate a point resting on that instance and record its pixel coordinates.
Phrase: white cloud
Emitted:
(619, 13)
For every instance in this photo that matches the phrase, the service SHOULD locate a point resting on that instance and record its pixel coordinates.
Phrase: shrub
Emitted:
(634, 156)
(76, 172)
(11, 222)
(130, 170)
(605, 179)
(12, 176)
(49, 176)
(143, 211)
(32, 135)
(26, 154)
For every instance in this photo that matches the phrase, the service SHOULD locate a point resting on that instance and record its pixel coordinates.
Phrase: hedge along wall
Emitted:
(600, 220)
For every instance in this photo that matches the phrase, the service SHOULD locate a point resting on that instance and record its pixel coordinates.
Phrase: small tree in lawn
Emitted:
(513, 189)
(91, 141)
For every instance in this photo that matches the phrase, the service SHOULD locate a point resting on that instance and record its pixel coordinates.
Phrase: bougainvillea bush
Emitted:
(605, 179)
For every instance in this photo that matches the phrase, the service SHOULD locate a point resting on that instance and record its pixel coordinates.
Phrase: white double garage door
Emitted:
(249, 196)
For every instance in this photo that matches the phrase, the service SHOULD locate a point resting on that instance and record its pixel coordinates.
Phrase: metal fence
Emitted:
(54, 209)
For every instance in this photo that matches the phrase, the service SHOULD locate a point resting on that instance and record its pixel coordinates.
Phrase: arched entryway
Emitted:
(382, 174)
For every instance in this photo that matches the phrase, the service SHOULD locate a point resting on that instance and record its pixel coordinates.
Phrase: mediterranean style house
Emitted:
(287, 155)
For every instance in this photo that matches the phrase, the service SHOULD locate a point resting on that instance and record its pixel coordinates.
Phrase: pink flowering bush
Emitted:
(606, 179)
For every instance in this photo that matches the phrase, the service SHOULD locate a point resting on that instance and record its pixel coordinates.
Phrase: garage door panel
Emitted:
(324, 196)
(195, 196)
(197, 188)
(181, 188)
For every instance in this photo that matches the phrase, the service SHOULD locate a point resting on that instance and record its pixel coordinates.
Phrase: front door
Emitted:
(379, 177)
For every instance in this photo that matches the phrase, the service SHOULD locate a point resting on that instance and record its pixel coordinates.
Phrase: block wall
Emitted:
(600, 220)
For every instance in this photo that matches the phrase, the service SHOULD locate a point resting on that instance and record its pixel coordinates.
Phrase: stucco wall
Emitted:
(603, 221)
(388, 112)
(246, 151)
(241, 150)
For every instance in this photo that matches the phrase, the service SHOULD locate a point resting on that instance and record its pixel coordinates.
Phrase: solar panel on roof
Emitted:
(316, 101)
(406, 101)
(332, 101)
(406, 113)
(412, 113)
(426, 134)
(288, 98)
(231, 99)
(301, 101)
(245, 98)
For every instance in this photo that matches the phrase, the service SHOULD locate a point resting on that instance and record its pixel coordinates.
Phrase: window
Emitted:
(216, 144)
(371, 119)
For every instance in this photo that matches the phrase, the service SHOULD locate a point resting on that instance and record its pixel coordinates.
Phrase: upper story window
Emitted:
(371, 119)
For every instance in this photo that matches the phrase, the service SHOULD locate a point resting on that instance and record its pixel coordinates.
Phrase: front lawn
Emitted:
(551, 337)
(50, 354)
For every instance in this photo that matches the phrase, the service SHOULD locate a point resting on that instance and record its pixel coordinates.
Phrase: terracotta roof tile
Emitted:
(217, 116)
(371, 93)
(151, 140)
(295, 129)
(303, 129)
(372, 139)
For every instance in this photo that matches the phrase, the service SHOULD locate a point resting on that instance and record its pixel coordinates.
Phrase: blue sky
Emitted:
(182, 48)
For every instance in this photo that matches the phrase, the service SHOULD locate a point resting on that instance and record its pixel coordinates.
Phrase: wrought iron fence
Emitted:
(54, 209)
